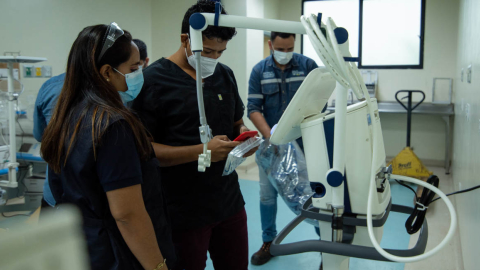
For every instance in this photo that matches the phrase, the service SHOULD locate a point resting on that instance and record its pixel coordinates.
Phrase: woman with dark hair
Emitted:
(100, 158)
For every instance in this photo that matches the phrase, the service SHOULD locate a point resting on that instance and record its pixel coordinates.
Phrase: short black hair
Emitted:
(208, 6)
(142, 47)
(280, 34)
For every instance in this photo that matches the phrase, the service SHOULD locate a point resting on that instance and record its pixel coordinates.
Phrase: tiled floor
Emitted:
(11, 219)
(394, 234)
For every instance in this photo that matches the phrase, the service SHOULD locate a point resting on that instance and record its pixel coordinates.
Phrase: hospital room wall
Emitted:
(48, 28)
(428, 132)
(466, 169)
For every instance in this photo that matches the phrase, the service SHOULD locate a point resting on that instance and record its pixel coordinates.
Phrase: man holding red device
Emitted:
(207, 209)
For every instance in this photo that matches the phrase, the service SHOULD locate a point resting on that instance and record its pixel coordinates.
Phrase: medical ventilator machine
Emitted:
(352, 198)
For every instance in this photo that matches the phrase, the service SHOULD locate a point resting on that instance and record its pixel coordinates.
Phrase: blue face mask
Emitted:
(134, 83)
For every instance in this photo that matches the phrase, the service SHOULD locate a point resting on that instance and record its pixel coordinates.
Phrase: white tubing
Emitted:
(448, 237)
(330, 55)
(201, 104)
(328, 50)
(341, 62)
(322, 52)
(336, 49)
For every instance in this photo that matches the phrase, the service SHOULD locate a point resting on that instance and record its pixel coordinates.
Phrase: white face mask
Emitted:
(283, 58)
(208, 64)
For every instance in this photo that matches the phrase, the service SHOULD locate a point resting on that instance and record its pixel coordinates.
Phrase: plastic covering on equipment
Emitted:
(235, 157)
(286, 169)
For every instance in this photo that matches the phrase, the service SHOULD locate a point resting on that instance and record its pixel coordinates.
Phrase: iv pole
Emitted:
(13, 164)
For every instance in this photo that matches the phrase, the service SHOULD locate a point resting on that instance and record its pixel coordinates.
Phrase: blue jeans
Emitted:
(47, 193)
(268, 207)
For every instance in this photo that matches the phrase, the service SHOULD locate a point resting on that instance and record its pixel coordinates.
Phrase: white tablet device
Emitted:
(309, 100)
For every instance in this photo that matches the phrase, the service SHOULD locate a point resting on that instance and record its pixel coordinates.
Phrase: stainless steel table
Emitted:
(446, 111)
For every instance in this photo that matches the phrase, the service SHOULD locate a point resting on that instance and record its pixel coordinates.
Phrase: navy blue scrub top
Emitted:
(84, 181)
(168, 107)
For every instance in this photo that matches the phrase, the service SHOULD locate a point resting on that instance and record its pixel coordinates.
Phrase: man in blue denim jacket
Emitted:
(273, 83)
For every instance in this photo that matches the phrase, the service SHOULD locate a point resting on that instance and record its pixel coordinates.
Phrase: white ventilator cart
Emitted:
(12, 97)
(352, 198)
(12, 165)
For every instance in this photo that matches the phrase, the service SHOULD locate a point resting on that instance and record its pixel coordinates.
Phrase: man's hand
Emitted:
(261, 124)
(220, 147)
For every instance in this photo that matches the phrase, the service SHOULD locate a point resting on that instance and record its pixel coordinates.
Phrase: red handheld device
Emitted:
(245, 136)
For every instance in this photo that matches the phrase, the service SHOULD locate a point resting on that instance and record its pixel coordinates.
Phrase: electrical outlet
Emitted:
(469, 74)
(459, 186)
(461, 75)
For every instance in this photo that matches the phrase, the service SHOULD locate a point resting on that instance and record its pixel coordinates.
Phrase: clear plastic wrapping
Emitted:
(286, 169)
(235, 157)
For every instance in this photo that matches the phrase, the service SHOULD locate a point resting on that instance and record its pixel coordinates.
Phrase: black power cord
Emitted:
(21, 178)
(458, 192)
(449, 194)
(5, 216)
(407, 187)
(416, 219)
(14, 215)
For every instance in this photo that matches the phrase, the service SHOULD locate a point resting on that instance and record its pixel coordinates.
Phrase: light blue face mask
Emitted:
(134, 83)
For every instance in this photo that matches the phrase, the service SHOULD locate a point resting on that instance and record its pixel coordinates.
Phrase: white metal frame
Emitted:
(13, 164)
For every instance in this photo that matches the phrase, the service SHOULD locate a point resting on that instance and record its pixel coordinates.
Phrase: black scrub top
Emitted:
(167, 106)
(84, 181)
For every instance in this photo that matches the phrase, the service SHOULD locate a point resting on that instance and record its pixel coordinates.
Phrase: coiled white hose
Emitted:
(448, 237)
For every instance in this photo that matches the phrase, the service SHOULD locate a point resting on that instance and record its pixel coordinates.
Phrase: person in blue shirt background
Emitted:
(44, 107)
(273, 83)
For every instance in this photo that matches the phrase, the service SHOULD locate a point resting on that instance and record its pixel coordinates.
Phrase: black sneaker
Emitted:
(263, 255)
